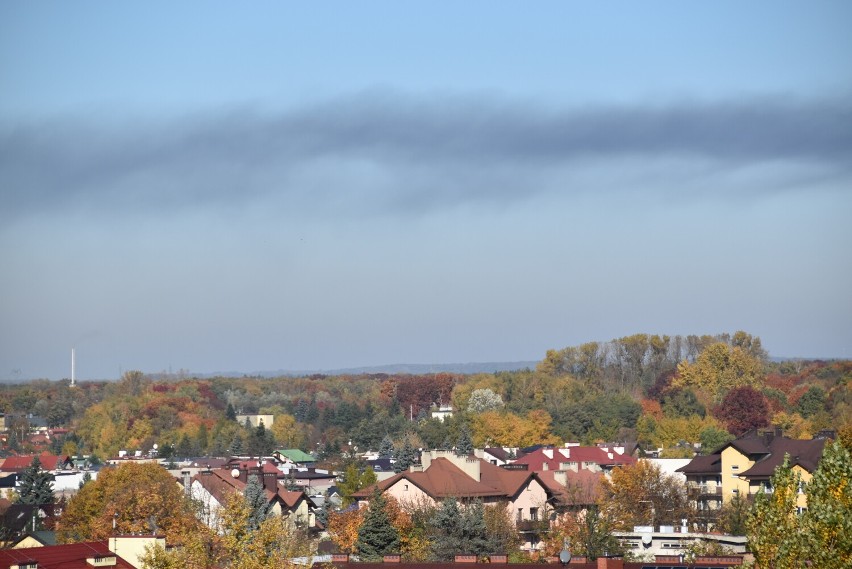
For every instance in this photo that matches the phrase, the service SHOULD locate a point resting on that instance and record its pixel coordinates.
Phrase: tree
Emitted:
(464, 446)
(712, 438)
(772, 527)
(482, 400)
(377, 536)
(641, 494)
(136, 497)
(719, 367)
(230, 414)
(386, 447)
(353, 480)
(343, 528)
(406, 456)
(256, 502)
(733, 516)
(459, 530)
(742, 410)
(827, 523)
(811, 402)
(36, 486)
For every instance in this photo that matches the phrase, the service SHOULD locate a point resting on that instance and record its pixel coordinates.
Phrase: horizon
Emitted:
(201, 186)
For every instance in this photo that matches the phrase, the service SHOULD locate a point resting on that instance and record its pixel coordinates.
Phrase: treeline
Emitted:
(662, 391)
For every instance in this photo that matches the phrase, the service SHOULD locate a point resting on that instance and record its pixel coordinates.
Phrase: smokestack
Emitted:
(73, 367)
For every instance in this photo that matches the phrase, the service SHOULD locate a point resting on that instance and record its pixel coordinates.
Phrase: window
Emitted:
(534, 514)
(520, 514)
(405, 489)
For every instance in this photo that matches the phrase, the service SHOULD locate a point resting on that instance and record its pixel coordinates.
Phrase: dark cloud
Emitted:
(391, 151)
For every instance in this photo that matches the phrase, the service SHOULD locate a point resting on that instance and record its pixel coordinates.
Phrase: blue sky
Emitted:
(208, 187)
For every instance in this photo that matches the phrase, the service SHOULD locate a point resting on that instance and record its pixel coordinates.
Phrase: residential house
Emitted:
(120, 552)
(744, 466)
(575, 457)
(294, 456)
(441, 412)
(255, 420)
(49, 462)
(443, 474)
(212, 489)
(310, 480)
(496, 455)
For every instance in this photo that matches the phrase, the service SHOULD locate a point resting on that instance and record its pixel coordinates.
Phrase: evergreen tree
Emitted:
(377, 536)
(237, 445)
(386, 447)
(455, 530)
(36, 486)
(464, 446)
(230, 414)
(405, 457)
(87, 477)
(255, 498)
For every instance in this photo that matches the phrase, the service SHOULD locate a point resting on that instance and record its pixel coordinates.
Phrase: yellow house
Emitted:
(743, 467)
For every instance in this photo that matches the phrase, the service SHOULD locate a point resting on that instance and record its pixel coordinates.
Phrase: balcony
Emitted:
(532, 526)
(704, 490)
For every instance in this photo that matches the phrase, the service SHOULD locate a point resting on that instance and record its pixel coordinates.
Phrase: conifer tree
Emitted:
(386, 447)
(377, 536)
(36, 485)
(464, 446)
(405, 457)
(256, 500)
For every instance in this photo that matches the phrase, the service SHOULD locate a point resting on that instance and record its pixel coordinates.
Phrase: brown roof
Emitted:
(581, 488)
(22, 462)
(703, 464)
(803, 453)
(70, 556)
(442, 479)
(220, 484)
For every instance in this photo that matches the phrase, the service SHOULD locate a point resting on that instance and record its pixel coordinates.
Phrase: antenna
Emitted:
(73, 368)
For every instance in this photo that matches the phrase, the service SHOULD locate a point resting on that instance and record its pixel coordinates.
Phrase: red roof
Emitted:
(70, 556)
(556, 457)
(22, 462)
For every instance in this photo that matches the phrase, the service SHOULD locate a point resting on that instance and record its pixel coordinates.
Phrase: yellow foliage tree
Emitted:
(288, 432)
(719, 368)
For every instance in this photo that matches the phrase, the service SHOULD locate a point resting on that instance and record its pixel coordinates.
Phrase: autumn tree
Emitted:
(772, 527)
(827, 523)
(36, 485)
(719, 368)
(138, 498)
(343, 528)
(355, 479)
(743, 409)
(641, 494)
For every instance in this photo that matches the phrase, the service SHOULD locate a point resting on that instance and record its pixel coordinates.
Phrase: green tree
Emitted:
(36, 486)
(258, 506)
(377, 536)
(406, 456)
(713, 438)
(772, 528)
(353, 480)
(812, 402)
(827, 523)
(386, 447)
(464, 446)
(459, 530)
(719, 367)
(595, 538)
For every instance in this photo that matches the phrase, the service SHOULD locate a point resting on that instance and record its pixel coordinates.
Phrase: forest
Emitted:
(667, 393)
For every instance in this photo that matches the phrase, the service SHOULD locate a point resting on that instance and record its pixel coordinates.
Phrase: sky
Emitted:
(211, 187)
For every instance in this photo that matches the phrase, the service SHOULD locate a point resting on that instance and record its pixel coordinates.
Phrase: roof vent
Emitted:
(102, 561)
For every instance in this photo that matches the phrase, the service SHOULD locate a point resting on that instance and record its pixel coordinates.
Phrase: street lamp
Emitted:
(565, 554)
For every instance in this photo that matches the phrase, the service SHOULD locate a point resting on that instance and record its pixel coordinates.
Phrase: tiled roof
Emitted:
(581, 488)
(441, 480)
(538, 458)
(220, 484)
(498, 453)
(803, 453)
(70, 556)
(703, 464)
(22, 462)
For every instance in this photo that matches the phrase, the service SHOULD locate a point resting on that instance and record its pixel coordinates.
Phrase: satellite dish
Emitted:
(646, 540)
(235, 473)
(155, 446)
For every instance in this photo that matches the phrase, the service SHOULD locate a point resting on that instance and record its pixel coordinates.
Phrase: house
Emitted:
(49, 462)
(212, 489)
(255, 420)
(496, 455)
(441, 412)
(643, 541)
(294, 456)
(120, 552)
(573, 491)
(311, 480)
(72, 556)
(744, 466)
(443, 474)
(573, 458)
(19, 519)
